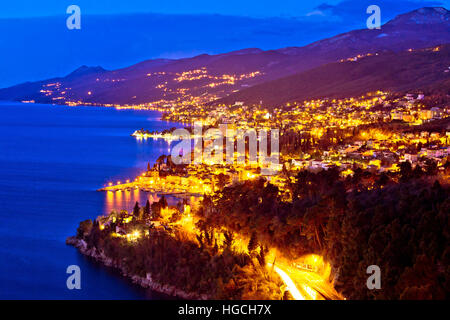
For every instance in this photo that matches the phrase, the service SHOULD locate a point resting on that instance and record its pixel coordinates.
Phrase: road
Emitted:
(303, 284)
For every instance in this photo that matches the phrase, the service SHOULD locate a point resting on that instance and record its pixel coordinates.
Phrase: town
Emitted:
(376, 132)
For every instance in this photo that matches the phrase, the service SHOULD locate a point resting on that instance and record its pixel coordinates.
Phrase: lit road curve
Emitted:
(305, 285)
(302, 284)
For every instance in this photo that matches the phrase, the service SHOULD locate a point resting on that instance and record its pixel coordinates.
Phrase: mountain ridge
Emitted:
(205, 78)
(402, 71)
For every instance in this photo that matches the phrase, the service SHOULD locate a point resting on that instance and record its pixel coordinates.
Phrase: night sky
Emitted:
(253, 8)
(35, 43)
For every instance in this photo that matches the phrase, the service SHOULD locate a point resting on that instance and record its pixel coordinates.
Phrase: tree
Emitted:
(262, 255)
(163, 202)
(431, 167)
(405, 171)
(147, 209)
(383, 179)
(156, 210)
(84, 229)
(136, 210)
(253, 243)
(228, 239)
(222, 180)
(357, 175)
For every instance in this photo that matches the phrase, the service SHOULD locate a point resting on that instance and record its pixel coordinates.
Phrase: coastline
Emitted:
(66, 194)
(146, 282)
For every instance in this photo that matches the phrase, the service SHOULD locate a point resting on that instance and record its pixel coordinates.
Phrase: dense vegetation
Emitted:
(398, 222)
(202, 267)
(404, 229)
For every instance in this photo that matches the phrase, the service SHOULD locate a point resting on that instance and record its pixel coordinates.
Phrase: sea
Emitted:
(53, 159)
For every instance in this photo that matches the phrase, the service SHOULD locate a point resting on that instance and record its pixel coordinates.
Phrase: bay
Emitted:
(52, 161)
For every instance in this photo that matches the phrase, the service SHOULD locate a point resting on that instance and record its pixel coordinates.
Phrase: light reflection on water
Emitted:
(125, 200)
(52, 161)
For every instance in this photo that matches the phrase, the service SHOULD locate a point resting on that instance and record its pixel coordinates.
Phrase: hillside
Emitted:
(205, 78)
(406, 70)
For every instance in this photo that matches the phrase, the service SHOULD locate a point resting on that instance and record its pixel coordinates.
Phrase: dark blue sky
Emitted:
(33, 8)
(36, 44)
(253, 8)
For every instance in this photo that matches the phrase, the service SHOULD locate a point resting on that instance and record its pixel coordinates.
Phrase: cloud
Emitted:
(315, 13)
(356, 9)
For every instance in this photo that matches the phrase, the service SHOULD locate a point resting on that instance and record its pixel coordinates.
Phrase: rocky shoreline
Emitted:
(146, 282)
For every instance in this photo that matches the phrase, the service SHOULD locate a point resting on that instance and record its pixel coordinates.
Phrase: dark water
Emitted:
(52, 160)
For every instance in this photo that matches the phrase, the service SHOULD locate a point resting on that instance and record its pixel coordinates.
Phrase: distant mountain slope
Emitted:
(205, 78)
(386, 71)
(420, 28)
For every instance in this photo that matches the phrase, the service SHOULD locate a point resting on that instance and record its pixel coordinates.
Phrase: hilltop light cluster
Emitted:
(191, 87)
